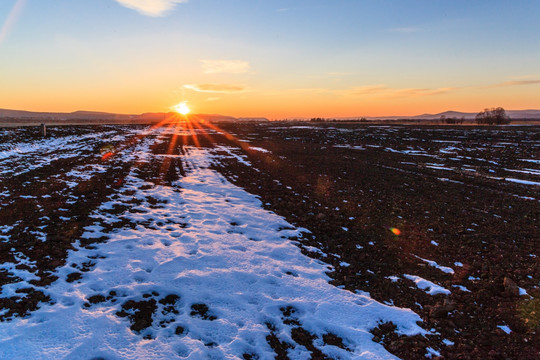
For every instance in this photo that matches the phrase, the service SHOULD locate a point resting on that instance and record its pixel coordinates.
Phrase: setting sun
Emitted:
(182, 108)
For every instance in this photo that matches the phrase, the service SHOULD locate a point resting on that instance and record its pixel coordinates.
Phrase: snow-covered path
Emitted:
(217, 272)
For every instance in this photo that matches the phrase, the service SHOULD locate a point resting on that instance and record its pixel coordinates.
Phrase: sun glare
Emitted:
(182, 108)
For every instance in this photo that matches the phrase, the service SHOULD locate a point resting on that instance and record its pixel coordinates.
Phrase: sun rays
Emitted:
(179, 130)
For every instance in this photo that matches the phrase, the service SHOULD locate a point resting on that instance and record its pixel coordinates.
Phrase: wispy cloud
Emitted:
(215, 88)
(312, 90)
(151, 7)
(385, 91)
(422, 92)
(225, 66)
(515, 83)
(11, 19)
(212, 99)
(368, 90)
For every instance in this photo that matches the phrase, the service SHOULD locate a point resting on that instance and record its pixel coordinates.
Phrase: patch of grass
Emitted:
(529, 311)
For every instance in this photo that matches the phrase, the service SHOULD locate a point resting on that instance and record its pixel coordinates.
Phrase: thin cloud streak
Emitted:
(385, 91)
(311, 90)
(215, 88)
(225, 66)
(515, 83)
(423, 92)
(151, 7)
(11, 18)
(367, 90)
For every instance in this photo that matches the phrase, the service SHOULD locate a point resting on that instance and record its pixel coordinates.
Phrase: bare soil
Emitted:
(445, 188)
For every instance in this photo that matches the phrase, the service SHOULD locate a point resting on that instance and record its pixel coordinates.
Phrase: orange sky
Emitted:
(275, 59)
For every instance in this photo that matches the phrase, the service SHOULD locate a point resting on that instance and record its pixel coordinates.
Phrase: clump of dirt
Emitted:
(21, 306)
(202, 311)
(139, 313)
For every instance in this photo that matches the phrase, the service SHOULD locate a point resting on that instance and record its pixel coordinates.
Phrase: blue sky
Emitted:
(269, 57)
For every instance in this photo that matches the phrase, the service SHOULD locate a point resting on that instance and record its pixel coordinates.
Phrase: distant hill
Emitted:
(103, 117)
(524, 114)
(81, 116)
(448, 114)
(90, 115)
(514, 114)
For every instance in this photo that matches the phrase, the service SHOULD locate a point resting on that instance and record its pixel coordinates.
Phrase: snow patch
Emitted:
(426, 285)
(226, 263)
(505, 328)
(432, 263)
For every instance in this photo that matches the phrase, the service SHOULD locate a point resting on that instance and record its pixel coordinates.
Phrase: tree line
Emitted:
(493, 116)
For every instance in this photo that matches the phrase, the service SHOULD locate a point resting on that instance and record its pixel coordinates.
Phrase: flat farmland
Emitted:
(270, 240)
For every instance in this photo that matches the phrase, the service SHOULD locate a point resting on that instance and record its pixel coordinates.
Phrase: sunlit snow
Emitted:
(208, 243)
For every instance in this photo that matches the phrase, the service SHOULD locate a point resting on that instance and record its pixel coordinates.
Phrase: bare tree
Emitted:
(493, 116)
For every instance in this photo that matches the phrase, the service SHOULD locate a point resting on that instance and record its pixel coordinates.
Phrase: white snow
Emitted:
(462, 288)
(353, 147)
(525, 171)
(450, 180)
(432, 263)
(524, 182)
(505, 328)
(42, 152)
(232, 153)
(534, 161)
(211, 243)
(432, 352)
(259, 149)
(438, 167)
(448, 342)
(426, 285)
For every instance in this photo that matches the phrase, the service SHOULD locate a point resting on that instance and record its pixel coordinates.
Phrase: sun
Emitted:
(182, 108)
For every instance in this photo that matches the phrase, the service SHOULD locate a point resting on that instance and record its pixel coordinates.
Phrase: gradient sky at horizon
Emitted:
(273, 58)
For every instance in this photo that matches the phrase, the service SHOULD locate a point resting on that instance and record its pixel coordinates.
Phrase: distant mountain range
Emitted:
(514, 114)
(81, 116)
(6, 114)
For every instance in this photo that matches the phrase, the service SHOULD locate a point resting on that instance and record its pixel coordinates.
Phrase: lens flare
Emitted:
(395, 231)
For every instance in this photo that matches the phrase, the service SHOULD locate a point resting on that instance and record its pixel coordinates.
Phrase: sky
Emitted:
(271, 58)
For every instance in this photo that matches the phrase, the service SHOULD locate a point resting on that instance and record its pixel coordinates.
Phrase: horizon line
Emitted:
(255, 116)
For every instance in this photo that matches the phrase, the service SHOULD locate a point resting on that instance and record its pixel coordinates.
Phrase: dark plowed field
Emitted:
(448, 191)
(442, 220)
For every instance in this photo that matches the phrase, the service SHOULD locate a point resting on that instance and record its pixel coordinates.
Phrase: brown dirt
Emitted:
(349, 199)
(484, 223)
